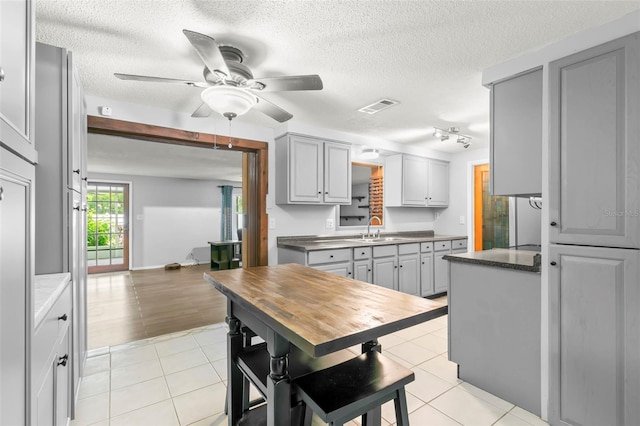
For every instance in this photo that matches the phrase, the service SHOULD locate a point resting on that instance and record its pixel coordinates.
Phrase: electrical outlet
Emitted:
(329, 224)
(272, 223)
(437, 215)
(461, 220)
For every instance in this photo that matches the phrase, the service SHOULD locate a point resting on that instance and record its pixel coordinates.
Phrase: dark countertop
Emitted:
(307, 243)
(522, 260)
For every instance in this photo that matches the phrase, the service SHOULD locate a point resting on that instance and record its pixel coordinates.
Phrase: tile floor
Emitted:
(180, 379)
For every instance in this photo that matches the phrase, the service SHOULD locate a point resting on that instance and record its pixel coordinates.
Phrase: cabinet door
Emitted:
(594, 146)
(385, 272)
(337, 173)
(594, 312)
(75, 103)
(426, 275)
(409, 275)
(362, 270)
(305, 170)
(438, 184)
(440, 272)
(63, 391)
(342, 269)
(17, 76)
(45, 398)
(16, 271)
(516, 135)
(414, 180)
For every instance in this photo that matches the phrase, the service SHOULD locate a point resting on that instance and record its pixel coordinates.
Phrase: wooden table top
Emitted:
(318, 311)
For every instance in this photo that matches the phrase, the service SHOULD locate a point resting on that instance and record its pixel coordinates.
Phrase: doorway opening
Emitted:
(490, 213)
(107, 227)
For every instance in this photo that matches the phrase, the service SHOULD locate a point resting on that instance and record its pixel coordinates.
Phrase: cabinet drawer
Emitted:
(326, 256)
(361, 253)
(442, 245)
(382, 251)
(459, 244)
(50, 330)
(412, 248)
(426, 247)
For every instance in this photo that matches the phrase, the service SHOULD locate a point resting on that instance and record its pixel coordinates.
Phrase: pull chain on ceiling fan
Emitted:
(230, 88)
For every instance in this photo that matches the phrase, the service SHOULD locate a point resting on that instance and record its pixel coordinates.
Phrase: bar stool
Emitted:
(350, 389)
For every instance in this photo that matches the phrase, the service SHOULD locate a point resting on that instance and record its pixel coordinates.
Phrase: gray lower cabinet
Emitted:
(594, 313)
(16, 275)
(441, 266)
(409, 268)
(362, 270)
(426, 274)
(385, 266)
(342, 269)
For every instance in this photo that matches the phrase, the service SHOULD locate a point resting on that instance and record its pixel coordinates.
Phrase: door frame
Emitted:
(255, 170)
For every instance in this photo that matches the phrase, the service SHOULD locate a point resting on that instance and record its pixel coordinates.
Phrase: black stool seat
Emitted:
(342, 392)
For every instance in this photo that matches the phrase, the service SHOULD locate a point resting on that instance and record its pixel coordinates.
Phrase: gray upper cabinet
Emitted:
(412, 181)
(594, 146)
(516, 135)
(17, 77)
(312, 171)
(594, 344)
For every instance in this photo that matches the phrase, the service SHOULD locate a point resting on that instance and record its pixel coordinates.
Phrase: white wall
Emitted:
(169, 217)
(461, 194)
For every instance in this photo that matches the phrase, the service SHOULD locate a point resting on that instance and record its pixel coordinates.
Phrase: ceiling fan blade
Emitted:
(202, 111)
(288, 83)
(160, 80)
(209, 52)
(272, 110)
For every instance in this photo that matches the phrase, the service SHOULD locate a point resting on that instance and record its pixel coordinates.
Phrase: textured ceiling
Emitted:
(428, 55)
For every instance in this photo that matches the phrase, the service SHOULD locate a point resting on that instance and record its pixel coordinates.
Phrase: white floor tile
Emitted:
(527, 416)
(215, 352)
(431, 342)
(426, 386)
(410, 333)
(443, 368)
(211, 337)
(135, 373)
(443, 332)
(412, 353)
(466, 408)
(92, 410)
(174, 346)
(160, 414)
(490, 398)
(215, 420)
(135, 355)
(431, 326)
(183, 361)
(94, 384)
(97, 364)
(427, 415)
(389, 341)
(192, 379)
(138, 396)
(389, 409)
(199, 404)
(221, 368)
(511, 420)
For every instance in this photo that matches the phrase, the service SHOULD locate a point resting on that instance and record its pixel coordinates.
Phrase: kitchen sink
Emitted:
(376, 240)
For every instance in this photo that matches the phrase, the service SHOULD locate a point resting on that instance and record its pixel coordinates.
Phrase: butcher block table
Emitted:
(316, 311)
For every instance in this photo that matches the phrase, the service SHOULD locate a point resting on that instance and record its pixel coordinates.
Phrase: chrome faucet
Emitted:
(369, 226)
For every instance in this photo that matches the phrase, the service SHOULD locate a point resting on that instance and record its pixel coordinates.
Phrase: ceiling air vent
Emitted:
(378, 106)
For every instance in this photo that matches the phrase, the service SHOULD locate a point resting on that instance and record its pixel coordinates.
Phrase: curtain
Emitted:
(226, 222)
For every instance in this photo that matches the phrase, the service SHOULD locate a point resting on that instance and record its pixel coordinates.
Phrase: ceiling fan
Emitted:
(230, 88)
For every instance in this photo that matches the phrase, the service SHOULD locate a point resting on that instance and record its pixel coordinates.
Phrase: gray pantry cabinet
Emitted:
(312, 170)
(594, 231)
(61, 206)
(412, 181)
(17, 198)
(516, 135)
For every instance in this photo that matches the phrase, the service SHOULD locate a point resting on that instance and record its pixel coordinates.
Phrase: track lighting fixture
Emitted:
(444, 135)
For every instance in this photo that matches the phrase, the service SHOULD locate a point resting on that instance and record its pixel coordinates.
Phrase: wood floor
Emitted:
(127, 306)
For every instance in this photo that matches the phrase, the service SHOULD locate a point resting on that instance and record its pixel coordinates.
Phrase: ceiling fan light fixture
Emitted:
(228, 100)
(369, 154)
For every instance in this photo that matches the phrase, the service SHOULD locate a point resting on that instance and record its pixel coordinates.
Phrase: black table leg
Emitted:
(234, 375)
(373, 417)
(279, 382)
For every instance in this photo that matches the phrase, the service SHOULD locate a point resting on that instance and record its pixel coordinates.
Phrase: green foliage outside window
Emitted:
(103, 210)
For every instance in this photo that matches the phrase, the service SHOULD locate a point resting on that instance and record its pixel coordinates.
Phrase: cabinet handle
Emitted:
(62, 360)
(76, 171)
(76, 208)
(326, 192)
(368, 270)
(86, 178)
(1, 74)
(553, 224)
(553, 263)
(84, 209)
(62, 317)
(330, 256)
(319, 192)
(402, 266)
(1, 193)
(348, 273)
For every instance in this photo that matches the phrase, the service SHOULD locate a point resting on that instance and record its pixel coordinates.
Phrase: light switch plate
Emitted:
(329, 224)
(272, 223)
(462, 220)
